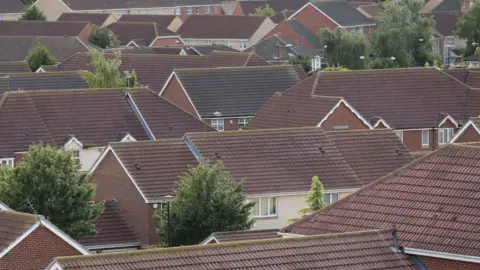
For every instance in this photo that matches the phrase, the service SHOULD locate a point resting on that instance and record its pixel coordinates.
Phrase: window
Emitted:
(147, 11)
(242, 122)
(329, 198)
(316, 63)
(399, 134)
(243, 45)
(13, 17)
(230, 43)
(7, 162)
(189, 10)
(264, 206)
(177, 10)
(76, 156)
(159, 11)
(217, 124)
(425, 137)
(352, 30)
(360, 29)
(198, 10)
(444, 135)
(207, 10)
(450, 41)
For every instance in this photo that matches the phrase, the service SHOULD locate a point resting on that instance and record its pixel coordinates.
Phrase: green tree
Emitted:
(383, 63)
(32, 13)
(302, 60)
(39, 56)
(344, 48)
(103, 38)
(107, 74)
(266, 11)
(467, 28)
(314, 199)
(48, 183)
(335, 68)
(28, 2)
(207, 201)
(404, 33)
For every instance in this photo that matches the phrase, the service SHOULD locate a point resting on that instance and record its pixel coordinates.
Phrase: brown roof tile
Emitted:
(11, 6)
(446, 22)
(359, 251)
(470, 77)
(13, 66)
(41, 28)
(249, 7)
(433, 202)
(236, 236)
(94, 18)
(130, 4)
(163, 20)
(146, 31)
(13, 225)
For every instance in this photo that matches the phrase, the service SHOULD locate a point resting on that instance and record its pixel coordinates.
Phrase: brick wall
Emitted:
(443, 264)
(285, 31)
(469, 135)
(36, 251)
(202, 10)
(175, 94)
(313, 20)
(343, 116)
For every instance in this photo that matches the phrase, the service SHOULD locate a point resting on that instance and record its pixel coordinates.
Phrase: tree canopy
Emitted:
(48, 183)
(39, 56)
(468, 28)
(32, 13)
(207, 200)
(103, 38)
(266, 11)
(315, 199)
(302, 60)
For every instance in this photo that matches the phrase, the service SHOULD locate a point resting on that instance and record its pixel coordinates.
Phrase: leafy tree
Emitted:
(266, 11)
(103, 38)
(404, 33)
(106, 73)
(32, 13)
(344, 48)
(302, 60)
(335, 68)
(207, 201)
(467, 28)
(314, 199)
(48, 183)
(28, 2)
(39, 56)
(383, 63)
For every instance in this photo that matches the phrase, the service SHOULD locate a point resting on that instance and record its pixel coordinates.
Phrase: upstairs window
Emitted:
(218, 124)
(444, 135)
(177, 10)
(360, 29)
(76, 156)
(7, 162)
(189, 10)
(147, 11)
(425, 138)
(264, 207)
(329, 198)
(242, 122)
(207, 10)
(450, 42)
(159, 11)
(243, 45)
(198, 10)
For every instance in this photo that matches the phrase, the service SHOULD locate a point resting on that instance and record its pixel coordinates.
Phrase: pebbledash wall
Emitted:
(444, 264)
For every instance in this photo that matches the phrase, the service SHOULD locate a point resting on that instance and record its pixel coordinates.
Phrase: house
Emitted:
(54, 8)
(238, 32)
(11, 10)
(31, 242)
(100, 19)
(43, 28)
(472, 61)
(359, 250)
(465, 4)
(332, 14)
(434, 6)
(114, 232)
(209, 94)
(431, 202)
(144, 34)
(13, 66)
(237, 236)
(154, 70)
(85, 121)
(469, 133)
(30, 81)
(445, 42)
(16, 48)
(281, 16)
(245, 8)
(171, 22)
(400, 99)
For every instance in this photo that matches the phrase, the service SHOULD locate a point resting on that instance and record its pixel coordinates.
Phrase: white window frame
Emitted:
(189, 10)
(147, 11)
(316, 63)
(218, 124)
(258, 207)
(330, 197)
(445, 135)
(197, 10)
(243, 121)
(243, 45)
(207, 9)
(399, 134)
(360, 29)
(159, 11)
(425, 135)
(7, 162)
(229, 43)
(76, 155)
(470, 4)
(178, 11)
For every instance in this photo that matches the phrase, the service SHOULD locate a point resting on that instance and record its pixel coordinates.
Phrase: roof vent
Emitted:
(27, 134)
(398, 151)
(170, 127)
(136, 166)
(321, 149)
(217, 155)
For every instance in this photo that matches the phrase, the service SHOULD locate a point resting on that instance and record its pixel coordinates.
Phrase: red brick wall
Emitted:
(175, 94)
(167, 42)
(443, 264)
(85, 33)
(18, 159)
(343, 116)
(228, 124)
(238, 11)
(313, 20)
(285, 31)
(36, 251)
(469, 135)
(413, 138)
(114, 184)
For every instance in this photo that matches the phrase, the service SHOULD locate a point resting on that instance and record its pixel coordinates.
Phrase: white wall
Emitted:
(88, 156)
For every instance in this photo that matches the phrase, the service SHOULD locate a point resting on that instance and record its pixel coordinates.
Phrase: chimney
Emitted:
(277, 49)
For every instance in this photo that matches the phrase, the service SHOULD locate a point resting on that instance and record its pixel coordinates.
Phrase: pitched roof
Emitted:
(237, 91)
(41, 81)
(209, 49)
(446, 22)
(220, 27)
(249, 7)
(11, 6)
(371, 10)
(116, 4)
(235, 59)
(302, 31)
(432, 202)
(236, 236)
(13, 66)
(94, 18)
(145, 31)
(112, 229)
(471, 77)
(342, 13)
(163, 20)
(286, 49)
(12, 226)
(408, 90)
(41, 28)
(358, 250)
(281, 16)
(447, 5)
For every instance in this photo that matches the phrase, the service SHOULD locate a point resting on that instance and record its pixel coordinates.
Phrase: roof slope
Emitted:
(94, 18)
(302, 31)
(236, 236)
(229, 27)
(115, 4)
(471, 77)
(41, 81)
(11, 6)
(448, 5)
(13, 225)
(208, 49)
(155, 166)
(163, 20)
(433, 202)
(342, 13)
(249, 7)
(358, 250)
(147, 31)
(287, 49)
(41, 28)
(237, 91)
(446, 22)
(13, 66)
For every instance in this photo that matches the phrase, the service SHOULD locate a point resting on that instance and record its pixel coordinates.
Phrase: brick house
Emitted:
(245, 8)
(144, 34)
(430, 201)
(469, 133)
(228, 105)
(30, 242)
(445, 43)
(81, 30)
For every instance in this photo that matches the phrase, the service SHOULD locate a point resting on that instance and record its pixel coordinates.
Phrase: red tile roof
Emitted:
(94, 18)
(433, 202)
(13, 67)
(471, 77)
(145, 31)
(446, 22)
(236, 236)
(163, 20)
(248, 7)
(359, 250)
(13, 225)
(11, 6)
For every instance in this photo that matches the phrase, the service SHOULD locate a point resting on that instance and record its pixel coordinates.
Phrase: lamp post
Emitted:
(169, 197)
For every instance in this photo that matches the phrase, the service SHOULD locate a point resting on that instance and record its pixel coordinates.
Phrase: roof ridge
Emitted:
(236, 67)
(13, 212)
(244, 231)
(70, 91)
(23, 74)
(155, 28)
(228, 132)
(161, 141)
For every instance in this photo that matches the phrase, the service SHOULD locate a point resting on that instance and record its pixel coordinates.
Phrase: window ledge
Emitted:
(265, 217)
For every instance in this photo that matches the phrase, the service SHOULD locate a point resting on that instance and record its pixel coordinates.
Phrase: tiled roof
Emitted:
(11, 6)
(155, 166)
(208, 49)
(13, 225)
(281, 16)
(94, 18)
(41, 81)
(371, 10)
(146, 31)
(236, 236)
(235, 59)
(112, 228)
(446, 22)
(237, 91)
(163, 20)
(218, 27)
(287, 48)
(448, 5)
(129, 4)
(249, 7)
(342, 13)
(302, 31)
(433, 202)
(471, 77)
(13, 66)
(402, 97)
(357, 250)
(41, 28)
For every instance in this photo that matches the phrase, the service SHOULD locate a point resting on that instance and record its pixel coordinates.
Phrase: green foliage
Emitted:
(477, 50)
(48, 183)
(106, 73)
(302, 60)
(207, 201)
(467, 28)
(28, 2)
(266, 11)
(344, 48)
(103, 38)
(32, 13)
(404, 33)
(39, 56)
(314, 199)
(335, 68)
(382, 63)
